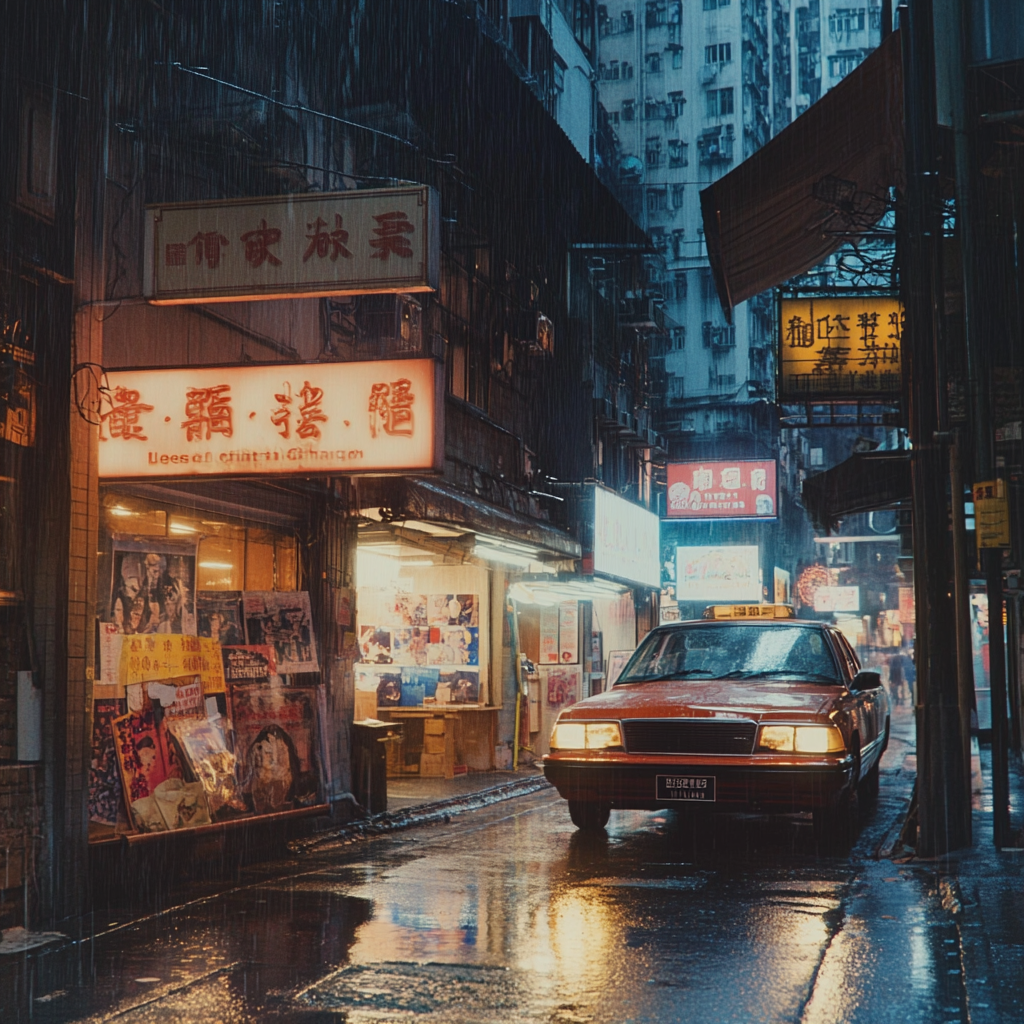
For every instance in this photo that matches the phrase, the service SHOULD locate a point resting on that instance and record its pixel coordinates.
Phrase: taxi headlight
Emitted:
(586, 736)
(802, 739)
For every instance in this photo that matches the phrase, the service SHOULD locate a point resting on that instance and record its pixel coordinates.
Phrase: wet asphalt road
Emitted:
(509, 914)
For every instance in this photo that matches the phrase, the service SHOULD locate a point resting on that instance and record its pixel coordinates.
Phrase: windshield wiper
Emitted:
(678, 674)
(814, 677)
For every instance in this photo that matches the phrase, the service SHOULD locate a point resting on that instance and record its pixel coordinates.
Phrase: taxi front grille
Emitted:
(689, 736)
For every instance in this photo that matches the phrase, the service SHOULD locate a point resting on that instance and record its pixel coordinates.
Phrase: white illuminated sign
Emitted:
(318, 243)
(837, 599)
(305, 418)
(724, 573)
(626, 540)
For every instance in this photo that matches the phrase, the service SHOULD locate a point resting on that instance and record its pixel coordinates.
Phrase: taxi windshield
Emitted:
(755, 651)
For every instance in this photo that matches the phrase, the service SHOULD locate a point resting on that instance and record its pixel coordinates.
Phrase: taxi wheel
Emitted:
(869, 784)
(588, 815)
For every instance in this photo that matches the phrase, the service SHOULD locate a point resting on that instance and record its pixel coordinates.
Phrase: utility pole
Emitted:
(943, 811)
(979, 373)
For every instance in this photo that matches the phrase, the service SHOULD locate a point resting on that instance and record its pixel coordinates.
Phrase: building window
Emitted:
(712, 5)
(654, 152)
(653, 63)
(677, 339)
(613, 117)
(657, 200)
(844, 20)
(676, 102)
(679, 280)
(628, 110)
(842, 63)
(708, 292)
(726, 380)
(718, 53)
(37, 158)
(655, 13)
(675, 389)
(719, 102)
(678, 191)
(627, 70)
(677, 150)
(677, 242)
(627, 20)
(613, 70)
(718, 336)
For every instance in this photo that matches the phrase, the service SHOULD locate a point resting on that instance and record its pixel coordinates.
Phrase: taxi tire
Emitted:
(589, 815)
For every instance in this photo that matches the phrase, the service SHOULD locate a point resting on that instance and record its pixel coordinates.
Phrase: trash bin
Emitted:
(370, 762)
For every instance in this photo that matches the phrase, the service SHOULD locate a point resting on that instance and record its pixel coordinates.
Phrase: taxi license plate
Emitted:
(686, 787)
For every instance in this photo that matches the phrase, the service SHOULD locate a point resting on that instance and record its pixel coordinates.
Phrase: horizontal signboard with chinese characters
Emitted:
(836, 348)
(721, 490)
(320, 243)
(729, 572)
(837, 599)
(304, 419)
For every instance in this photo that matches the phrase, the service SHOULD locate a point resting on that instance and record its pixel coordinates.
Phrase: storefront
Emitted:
(575, 631)
(433, 570)
(223, 602)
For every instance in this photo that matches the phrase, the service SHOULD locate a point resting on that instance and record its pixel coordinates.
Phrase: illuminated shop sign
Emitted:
(305, 419)
(626, 540)
(722, 490)
(319, 243)
(840, 347)
(720, 573)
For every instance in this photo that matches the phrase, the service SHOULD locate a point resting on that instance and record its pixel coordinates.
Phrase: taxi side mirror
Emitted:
(866, 680)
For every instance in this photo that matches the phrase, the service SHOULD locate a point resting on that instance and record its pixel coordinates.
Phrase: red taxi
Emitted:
(745, 709)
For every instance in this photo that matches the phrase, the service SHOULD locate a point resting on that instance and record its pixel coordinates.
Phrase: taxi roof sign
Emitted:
(749, 611)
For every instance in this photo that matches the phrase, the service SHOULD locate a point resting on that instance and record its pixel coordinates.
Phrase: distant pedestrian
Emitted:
(896, 677)
(910, 673)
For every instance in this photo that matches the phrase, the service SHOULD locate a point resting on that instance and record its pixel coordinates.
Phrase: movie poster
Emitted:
(375, 645)
(105, 792)
(276, 745)
(563, 684)
(409, 645)
(409, 610)
(207, 759)
(152, 588)
(249, 663)
(219, 616)
(142, 754)
(282, 619)
(463, 686)
(453, 610)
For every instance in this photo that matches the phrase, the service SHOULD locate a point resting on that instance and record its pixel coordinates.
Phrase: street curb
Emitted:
(425, 814)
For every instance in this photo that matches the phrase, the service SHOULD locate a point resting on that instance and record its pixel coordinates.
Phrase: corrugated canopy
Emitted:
(827, 175)
(863, 483)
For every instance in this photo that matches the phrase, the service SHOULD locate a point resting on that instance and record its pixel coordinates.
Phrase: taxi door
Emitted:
(866, 706)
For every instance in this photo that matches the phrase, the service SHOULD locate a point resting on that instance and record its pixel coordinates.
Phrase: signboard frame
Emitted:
(875, 355)
(293, 246)
(140, 409)
(725, 495)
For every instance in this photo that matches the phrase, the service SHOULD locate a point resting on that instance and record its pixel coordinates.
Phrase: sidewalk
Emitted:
(984, 892)
(410, 791)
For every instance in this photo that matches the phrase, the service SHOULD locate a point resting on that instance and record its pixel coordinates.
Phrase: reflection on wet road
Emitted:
(511, 915)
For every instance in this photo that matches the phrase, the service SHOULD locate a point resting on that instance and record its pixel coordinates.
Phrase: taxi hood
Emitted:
(709, 698)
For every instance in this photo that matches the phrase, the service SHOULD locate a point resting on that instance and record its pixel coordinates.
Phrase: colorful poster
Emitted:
(389, 689)
(147, 659)
(463, 686)
(276, 745)
(568, 633)
(179, 698)
(205, 755)
(219, 616)
(456, 645)
(409, 645)
(282, 619)
(105, 791)
(152, 588)
(549, 635)
(249, 663)
(144, 761)
(563, 684)
(375, 645)
(181, 804)
(419, 684)
(408, 610)
(453, 610)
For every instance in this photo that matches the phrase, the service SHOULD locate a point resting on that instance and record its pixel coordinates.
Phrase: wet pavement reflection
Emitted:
(510, 914)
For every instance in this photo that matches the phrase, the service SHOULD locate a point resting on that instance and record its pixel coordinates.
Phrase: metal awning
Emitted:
(863, 483)
(822, 179)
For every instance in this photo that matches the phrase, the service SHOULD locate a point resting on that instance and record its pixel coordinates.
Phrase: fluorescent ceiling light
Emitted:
(216, 565)
(120, 510)
(181, 528)
(494, 554)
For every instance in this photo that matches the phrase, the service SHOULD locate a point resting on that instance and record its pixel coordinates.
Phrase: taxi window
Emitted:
(755, 651)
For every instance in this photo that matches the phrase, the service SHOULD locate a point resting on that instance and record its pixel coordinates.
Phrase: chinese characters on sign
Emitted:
(721, 490)
(835, 348)
(991, 514)
(341, 243)
(271, 418)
